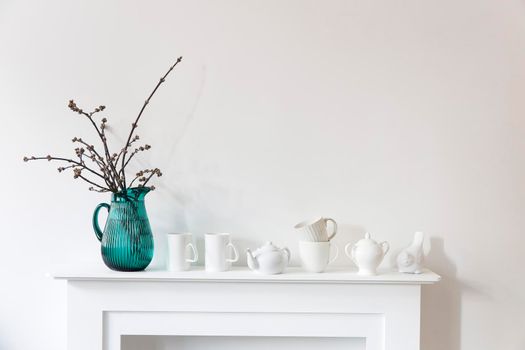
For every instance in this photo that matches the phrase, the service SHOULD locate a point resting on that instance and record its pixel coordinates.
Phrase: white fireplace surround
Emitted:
(104, 306)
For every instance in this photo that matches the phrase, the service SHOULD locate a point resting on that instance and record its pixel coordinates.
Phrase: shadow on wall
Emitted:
(441, 303)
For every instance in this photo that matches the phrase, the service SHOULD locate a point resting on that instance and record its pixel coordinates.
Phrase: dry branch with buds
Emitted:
(101, 168)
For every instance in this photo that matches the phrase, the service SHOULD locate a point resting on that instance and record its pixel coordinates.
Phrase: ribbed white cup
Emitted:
(316, 230)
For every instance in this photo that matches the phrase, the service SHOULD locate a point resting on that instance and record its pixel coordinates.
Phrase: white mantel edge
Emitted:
(342, 275)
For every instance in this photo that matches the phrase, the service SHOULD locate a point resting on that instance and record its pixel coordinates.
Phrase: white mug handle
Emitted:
(194, 253)
(236, 255)
(335, 228)
(336, 254)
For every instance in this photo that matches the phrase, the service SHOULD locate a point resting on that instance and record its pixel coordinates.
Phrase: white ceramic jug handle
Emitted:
(194, 253)
(336, 255)
(288, 254)
(335, 228)
(351, 254)
(385, 246)
(236, 255)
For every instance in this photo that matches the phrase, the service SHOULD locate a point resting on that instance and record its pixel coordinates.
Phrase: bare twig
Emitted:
(135, 124)
(112, 170)
(155, 171)
(114, 179)
(93, 183)
(50, 158)
(137, 150)
(99, 161)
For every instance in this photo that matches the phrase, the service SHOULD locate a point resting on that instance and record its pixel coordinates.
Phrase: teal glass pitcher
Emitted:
(127, 241)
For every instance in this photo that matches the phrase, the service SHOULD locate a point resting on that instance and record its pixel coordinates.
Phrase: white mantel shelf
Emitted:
(104, 306)
(244, 275)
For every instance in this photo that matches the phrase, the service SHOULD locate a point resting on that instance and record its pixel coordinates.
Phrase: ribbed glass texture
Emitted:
(127, 241)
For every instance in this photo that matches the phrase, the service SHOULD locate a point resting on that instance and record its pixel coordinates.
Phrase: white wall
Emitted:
(390, 116)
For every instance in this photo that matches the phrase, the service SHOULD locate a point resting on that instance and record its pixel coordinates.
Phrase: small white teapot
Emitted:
(367, 254)
(268, 259)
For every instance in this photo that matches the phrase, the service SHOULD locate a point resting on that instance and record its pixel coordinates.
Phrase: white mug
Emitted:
(179, 245)
(315, 256)
(316, 230)
(216, 248)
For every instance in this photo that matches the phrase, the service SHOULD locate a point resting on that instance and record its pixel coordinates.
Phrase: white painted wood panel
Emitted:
(104, 306)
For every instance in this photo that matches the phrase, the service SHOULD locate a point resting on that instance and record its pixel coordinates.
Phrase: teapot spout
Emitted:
(250, 259)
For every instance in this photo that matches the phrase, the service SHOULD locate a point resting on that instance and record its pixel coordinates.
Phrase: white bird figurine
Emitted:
(410, 260)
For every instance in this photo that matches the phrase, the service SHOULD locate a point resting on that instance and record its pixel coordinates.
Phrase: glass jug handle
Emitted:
(96, 228)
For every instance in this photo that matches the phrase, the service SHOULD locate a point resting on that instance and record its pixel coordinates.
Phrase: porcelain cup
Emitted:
(217, 247)
(182, 252)
(316, 230)
(315, 256)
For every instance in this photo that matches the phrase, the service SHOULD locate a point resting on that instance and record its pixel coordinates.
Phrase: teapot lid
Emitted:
(267, 247)
(367, 241)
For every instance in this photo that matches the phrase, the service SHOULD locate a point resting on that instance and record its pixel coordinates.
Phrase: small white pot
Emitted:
(367, 254)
